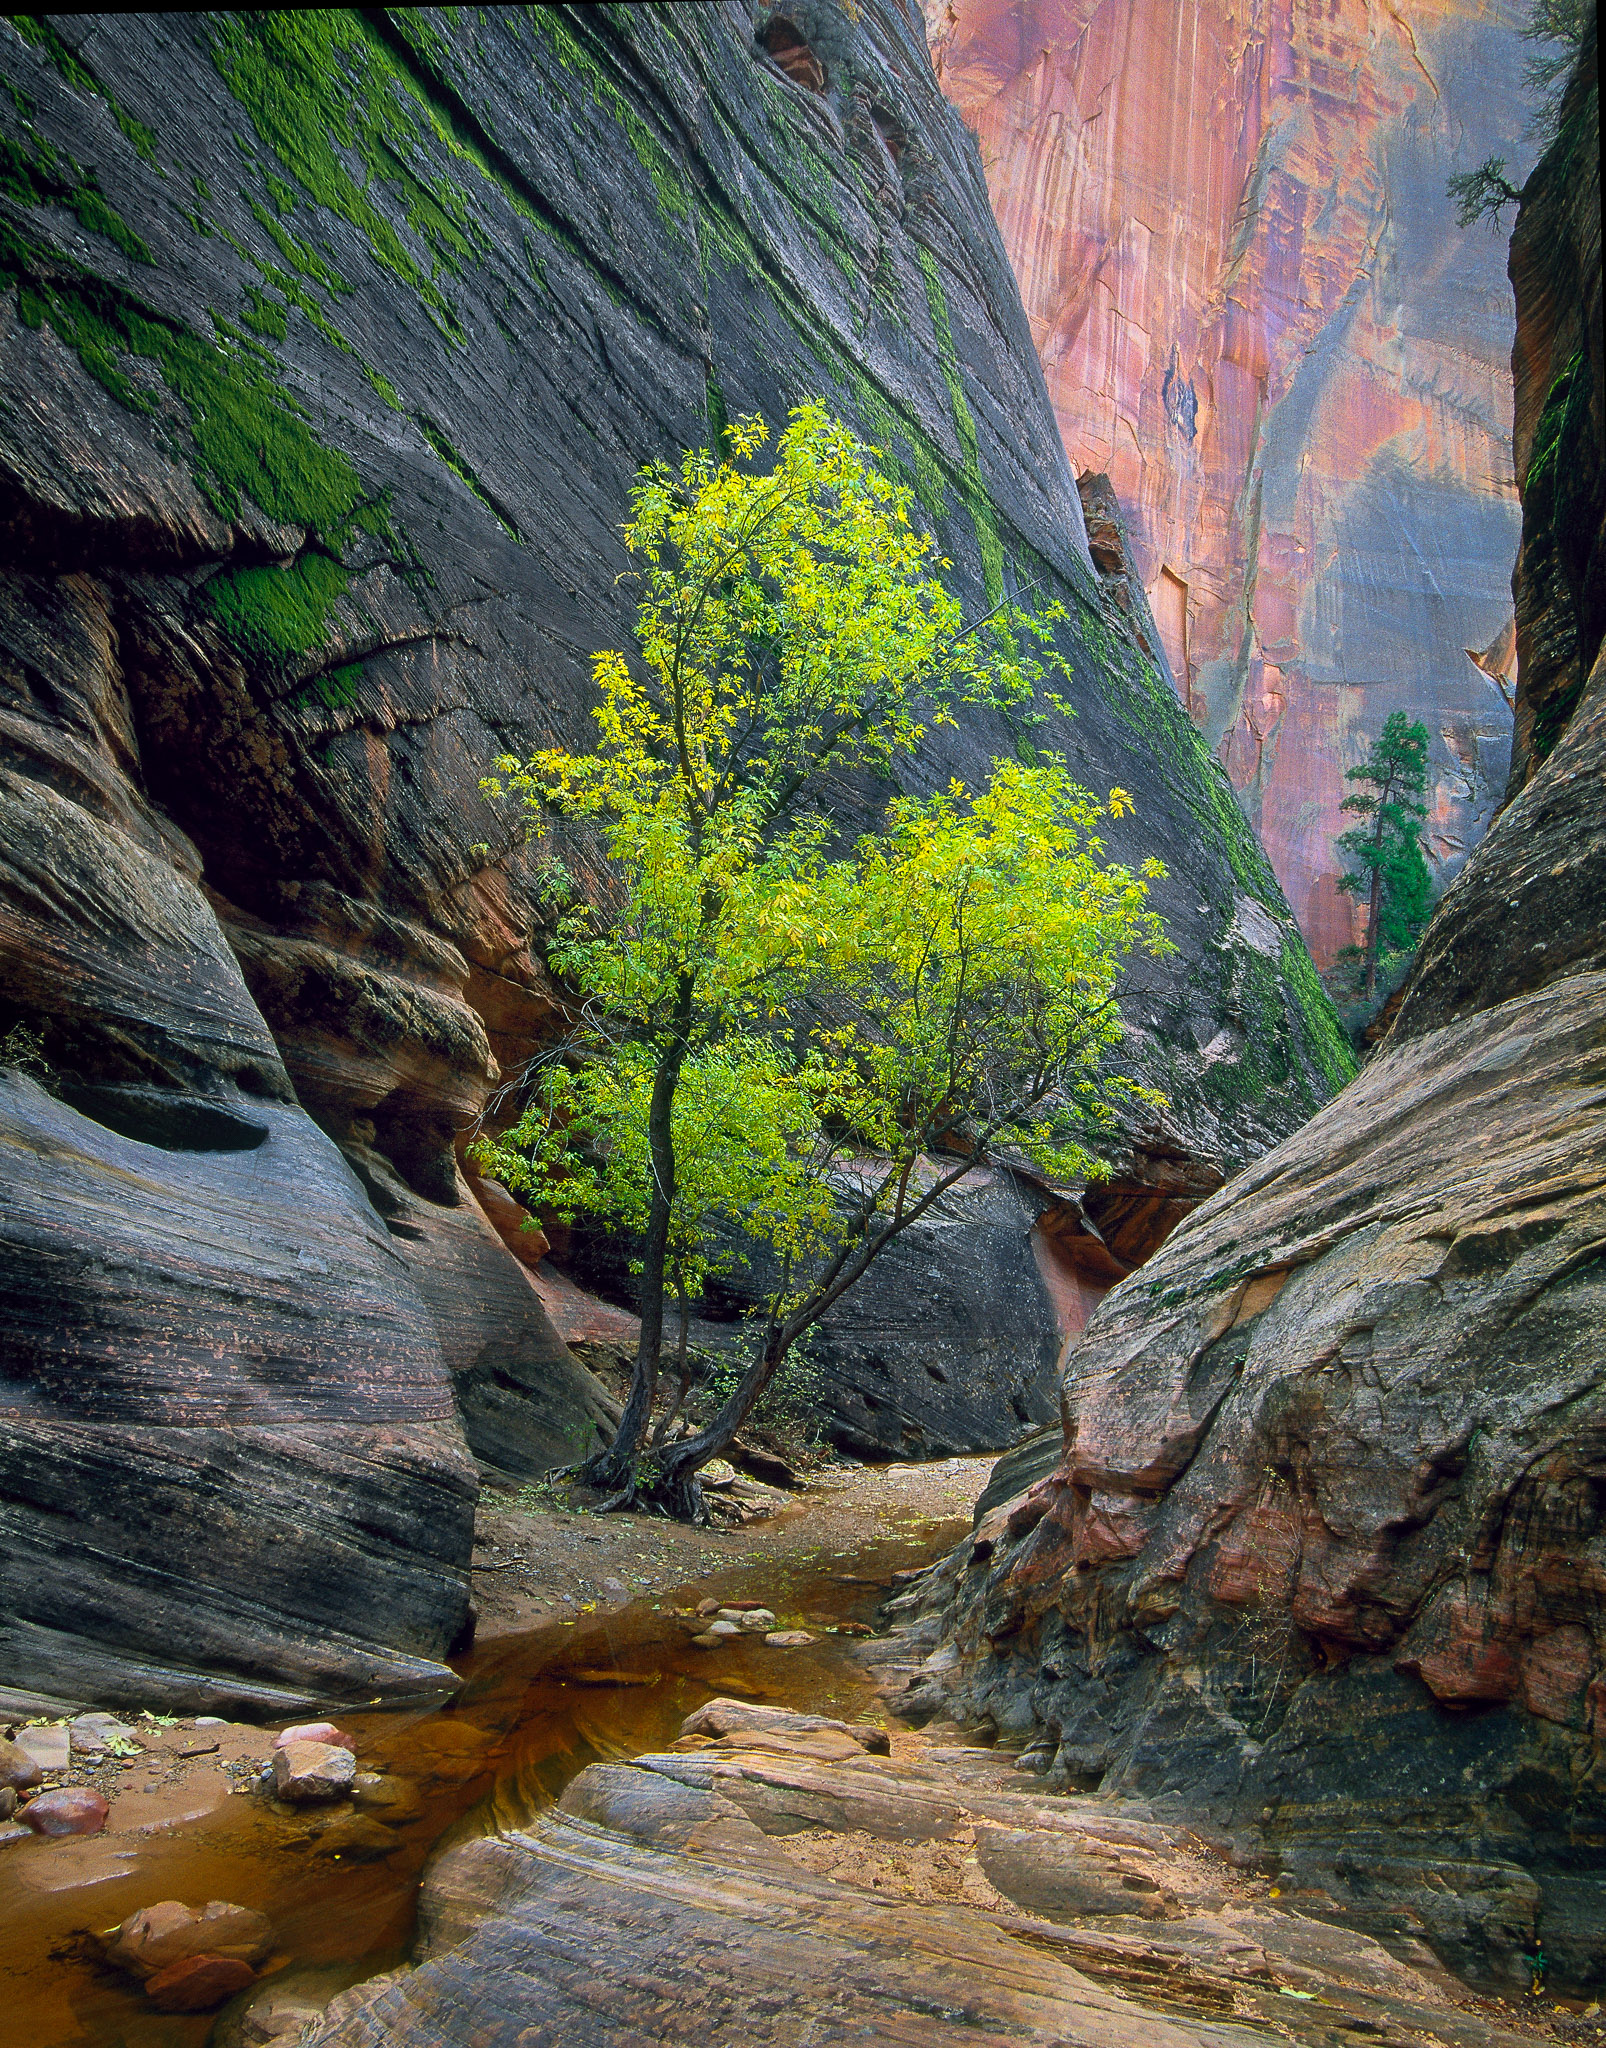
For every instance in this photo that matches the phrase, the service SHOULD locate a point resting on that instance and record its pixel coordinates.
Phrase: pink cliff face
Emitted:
(1256, 314)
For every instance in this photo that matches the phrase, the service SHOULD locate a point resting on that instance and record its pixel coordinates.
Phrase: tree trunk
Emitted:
(676, 1486)
(614, 1470)
(681, 1366)
(1374, 898)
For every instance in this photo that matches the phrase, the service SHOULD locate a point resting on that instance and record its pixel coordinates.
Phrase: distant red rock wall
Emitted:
(1255, 312)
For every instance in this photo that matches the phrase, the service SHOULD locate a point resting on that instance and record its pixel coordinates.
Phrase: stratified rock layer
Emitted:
(1323, 1555)
(1255, 312)
(781, 1888)
(330, 342)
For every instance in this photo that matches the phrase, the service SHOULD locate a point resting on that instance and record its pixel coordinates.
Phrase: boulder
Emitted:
(198, 1983)
(352, 1837)
(18, 1770)
(788, 1638)
(393, 1800)
(312, 1773)
(169, 1932)
(68, 1810)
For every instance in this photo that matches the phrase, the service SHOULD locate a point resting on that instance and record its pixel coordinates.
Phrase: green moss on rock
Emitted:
(279, 613)
(44, 177)
(33, 28)
(977, 499)
(1324, 1032)
(460, 469)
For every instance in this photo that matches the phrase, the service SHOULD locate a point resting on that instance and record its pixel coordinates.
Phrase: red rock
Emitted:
(511, 1221)
(18, 1771)
(153, 1939)
(312, 1773)
(315, 1731)
(71, 1810)
(1193, 280)
(1555, 1672)
(197, 1983)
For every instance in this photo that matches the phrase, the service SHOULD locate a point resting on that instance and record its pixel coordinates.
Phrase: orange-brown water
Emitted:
(522, 1726)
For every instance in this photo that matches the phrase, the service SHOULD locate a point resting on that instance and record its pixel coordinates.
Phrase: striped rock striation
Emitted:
(1258, 318)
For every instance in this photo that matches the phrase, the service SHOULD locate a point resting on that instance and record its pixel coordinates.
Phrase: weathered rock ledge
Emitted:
(780, 1885)
(1322, 1556)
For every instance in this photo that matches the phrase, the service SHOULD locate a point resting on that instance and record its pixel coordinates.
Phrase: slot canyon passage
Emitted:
(1164, 1605)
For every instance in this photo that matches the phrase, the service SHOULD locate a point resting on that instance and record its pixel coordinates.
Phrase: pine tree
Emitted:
(1392, 873)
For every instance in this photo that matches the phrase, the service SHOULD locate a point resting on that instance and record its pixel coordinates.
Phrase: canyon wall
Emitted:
(330, 342)
(1321, 1558)
(1258, 317)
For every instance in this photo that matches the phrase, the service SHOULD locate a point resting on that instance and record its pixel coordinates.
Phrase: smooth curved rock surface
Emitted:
(1257, 316)
(734, 1895)
(311, 470)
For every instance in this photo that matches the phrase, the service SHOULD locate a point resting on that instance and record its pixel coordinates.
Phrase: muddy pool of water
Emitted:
(534, 1710)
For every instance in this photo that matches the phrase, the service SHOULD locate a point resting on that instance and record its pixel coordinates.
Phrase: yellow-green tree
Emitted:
(962, 971)
(745, 1135)
(954, 990)
(792, 628)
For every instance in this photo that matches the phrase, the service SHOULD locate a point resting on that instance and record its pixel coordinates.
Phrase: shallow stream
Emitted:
(534, 1710)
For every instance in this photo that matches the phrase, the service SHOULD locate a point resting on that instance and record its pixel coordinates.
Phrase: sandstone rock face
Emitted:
(1560, 427)
(1323, 1554)
(312, 459)
(1258, 318)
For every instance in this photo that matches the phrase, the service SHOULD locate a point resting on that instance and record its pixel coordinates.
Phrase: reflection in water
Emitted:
(340, 1888)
